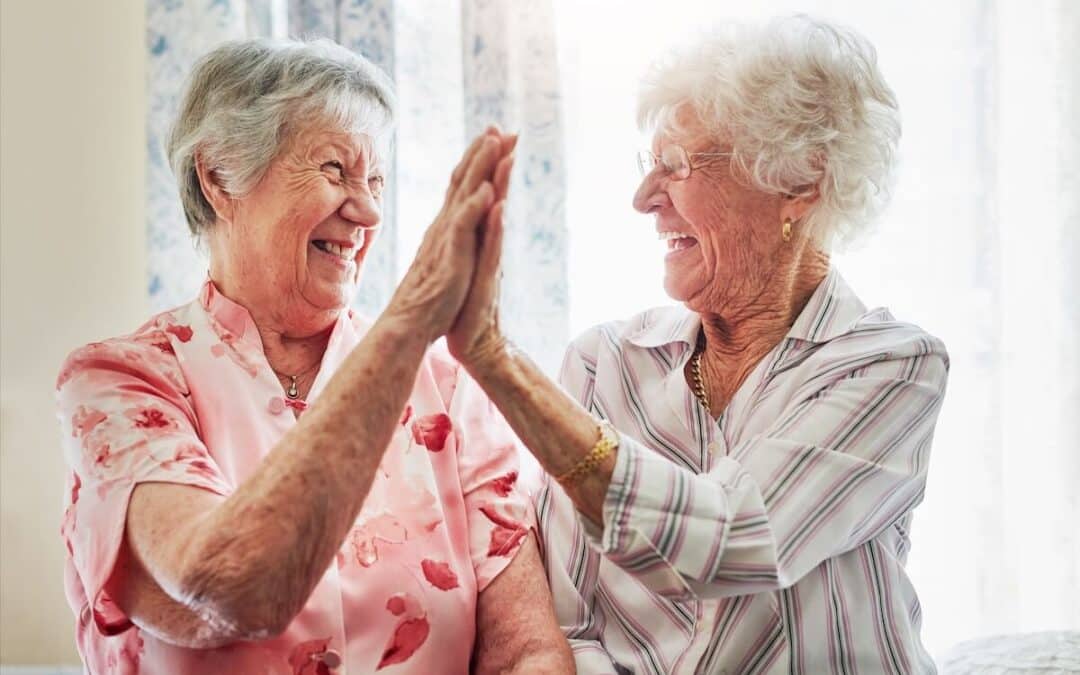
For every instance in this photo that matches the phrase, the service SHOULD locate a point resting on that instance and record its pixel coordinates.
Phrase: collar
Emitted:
(832, 311)
(232, 316)
(236, 319)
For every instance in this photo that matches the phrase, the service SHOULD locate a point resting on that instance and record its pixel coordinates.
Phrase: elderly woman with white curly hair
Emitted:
(734, 479)
(262, 482)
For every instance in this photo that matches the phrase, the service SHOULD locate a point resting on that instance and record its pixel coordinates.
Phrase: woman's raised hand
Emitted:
(475, 336)
(431, 294)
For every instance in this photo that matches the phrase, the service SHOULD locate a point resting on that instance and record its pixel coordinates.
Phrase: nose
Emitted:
(361, 208)
(650, 196)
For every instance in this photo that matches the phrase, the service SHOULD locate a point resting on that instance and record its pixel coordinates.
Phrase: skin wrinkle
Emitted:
(225, 562)
(247, 563)
(746, 283)
(750, 284)
(293, 342)
(240, 567)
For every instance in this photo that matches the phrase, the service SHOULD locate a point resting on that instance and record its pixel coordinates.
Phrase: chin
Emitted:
(677, 289)
(332, 299)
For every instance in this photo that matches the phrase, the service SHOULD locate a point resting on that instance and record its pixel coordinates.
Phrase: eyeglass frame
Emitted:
(656, 161)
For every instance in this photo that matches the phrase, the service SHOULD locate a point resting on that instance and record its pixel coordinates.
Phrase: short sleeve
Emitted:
(498, 506)
(126, 419)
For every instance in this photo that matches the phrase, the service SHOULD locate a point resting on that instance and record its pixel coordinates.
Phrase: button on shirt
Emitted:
(772, 540)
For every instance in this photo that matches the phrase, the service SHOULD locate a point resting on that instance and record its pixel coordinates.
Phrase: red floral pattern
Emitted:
(506, 536)
(431, 431)
(504, 485)
(409, 635)
(85, 419)
(305, 658)
(182, 333)
(439, 574)
(131, 413)
(149, 418)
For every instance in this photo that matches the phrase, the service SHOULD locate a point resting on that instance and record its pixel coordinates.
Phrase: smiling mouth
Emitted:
(677, 241)
(344, 252)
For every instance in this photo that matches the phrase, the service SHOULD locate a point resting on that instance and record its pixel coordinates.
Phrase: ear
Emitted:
(212, 190)
(794, 207)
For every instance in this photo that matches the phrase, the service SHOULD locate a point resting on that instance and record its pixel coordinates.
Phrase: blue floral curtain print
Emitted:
(458, 66)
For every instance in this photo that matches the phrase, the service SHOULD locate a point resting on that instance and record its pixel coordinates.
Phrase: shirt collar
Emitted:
(832, 310)
(232, 316)
(666, 325)
(236, 319)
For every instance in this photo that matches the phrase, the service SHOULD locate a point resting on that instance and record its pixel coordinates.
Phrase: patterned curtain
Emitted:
(458, 66)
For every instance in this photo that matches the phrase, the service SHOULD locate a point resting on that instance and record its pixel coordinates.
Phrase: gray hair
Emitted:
(247, 98)
(802, 103)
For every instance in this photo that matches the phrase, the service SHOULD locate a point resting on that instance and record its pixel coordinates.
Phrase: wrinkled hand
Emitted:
(431, 294)
(475, 337)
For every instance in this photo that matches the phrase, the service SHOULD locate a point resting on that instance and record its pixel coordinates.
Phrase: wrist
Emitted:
(409, 331)
(490, 362)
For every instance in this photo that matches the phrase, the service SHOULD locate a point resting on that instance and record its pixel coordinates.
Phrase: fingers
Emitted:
(509, 142)
(466, 161)
(491, 249)
(502, 176)
(484, 293)
(481, 168)
(484, 289)
(470, 212)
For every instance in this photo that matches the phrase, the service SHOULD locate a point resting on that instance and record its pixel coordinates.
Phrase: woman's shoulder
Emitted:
(651, 328)
(147, 352)
(876, 332)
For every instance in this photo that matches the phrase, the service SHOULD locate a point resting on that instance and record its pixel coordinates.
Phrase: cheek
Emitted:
(297, 216)
(708, 208)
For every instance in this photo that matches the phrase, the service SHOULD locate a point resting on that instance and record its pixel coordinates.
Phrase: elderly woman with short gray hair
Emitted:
(734, 478)
(262, 482)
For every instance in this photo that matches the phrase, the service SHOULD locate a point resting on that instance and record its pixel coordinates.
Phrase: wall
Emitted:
(72, 111)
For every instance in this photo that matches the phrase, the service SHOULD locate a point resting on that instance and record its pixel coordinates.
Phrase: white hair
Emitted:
(246, 99)
(802, 103)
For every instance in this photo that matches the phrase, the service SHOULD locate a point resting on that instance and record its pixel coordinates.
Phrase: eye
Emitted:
(337, 171)
(376, 183)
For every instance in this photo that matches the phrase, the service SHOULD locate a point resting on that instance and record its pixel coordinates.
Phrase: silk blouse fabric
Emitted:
(190, 399)
(772, 539)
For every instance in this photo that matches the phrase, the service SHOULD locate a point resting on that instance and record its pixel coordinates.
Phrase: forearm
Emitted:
(516, 629)
(256, 558)
(554, 427)
(538, 659)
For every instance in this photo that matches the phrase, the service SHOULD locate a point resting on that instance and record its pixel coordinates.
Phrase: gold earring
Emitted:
(786, 231)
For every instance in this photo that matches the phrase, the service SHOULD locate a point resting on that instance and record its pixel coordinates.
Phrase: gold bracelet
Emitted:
(607, 444)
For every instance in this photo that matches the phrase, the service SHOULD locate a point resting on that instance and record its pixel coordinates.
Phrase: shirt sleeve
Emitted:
(572, 564)
(498, 508)
(844, 461)
(125, 419)
(573, 573)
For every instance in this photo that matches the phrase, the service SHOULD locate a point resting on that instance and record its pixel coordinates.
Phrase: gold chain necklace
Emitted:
(293, 392)
(699, 382)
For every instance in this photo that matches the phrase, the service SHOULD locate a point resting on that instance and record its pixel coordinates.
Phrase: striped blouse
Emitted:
(771, 540)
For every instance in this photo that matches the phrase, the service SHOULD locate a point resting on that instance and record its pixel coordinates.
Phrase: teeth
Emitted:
(668, 236)
(345, 253)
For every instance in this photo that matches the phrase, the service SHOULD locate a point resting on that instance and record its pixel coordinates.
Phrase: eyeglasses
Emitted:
(675, 160)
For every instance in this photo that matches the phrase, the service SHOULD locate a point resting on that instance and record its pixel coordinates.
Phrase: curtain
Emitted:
(458, 66)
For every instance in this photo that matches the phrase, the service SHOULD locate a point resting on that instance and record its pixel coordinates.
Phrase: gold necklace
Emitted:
(293, 392)
(699, 382)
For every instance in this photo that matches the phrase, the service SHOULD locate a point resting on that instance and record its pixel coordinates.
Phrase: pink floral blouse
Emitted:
(189, 398)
